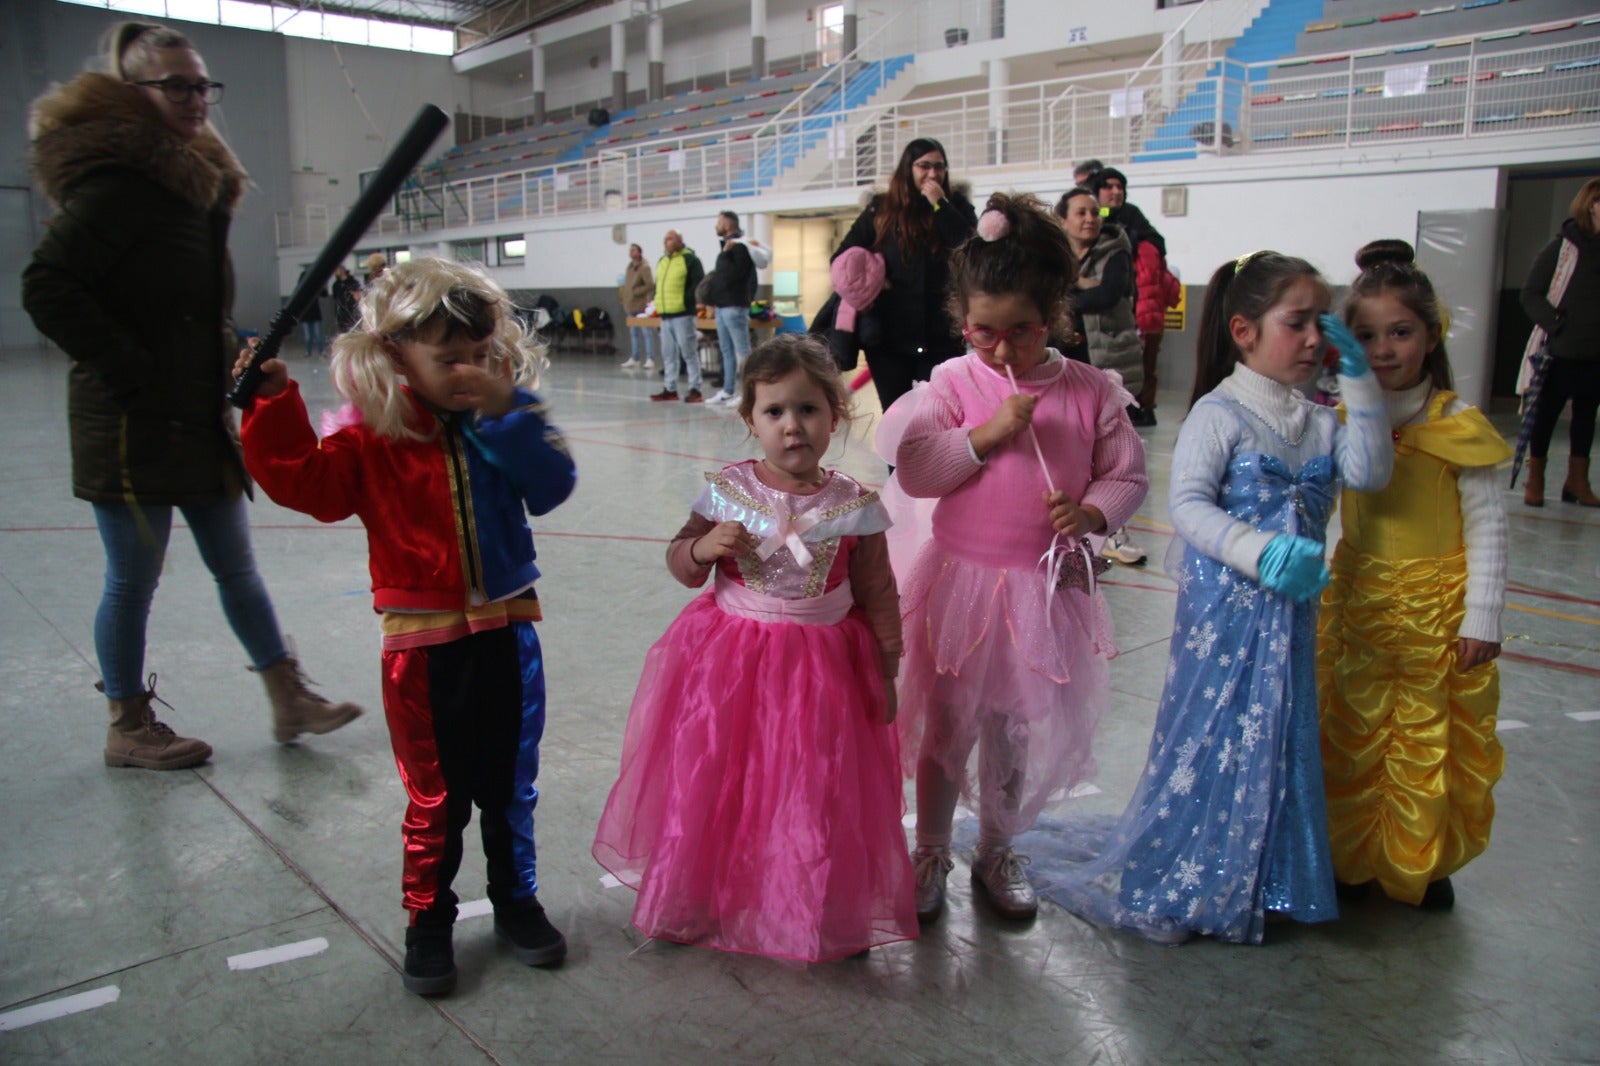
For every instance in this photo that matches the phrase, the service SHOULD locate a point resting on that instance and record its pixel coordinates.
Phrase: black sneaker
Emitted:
(534, 941)
(694, 397)
(430, 961)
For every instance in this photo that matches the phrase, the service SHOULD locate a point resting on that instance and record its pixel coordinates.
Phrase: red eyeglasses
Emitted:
(985, 339)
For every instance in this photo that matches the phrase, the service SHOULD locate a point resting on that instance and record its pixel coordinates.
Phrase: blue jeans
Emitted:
(134, 556)
(733, 337)
(680, 340)
(642, 339)
(313, 335)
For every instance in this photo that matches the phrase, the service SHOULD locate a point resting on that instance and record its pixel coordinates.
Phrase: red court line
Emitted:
(1554, 664)
(653, 451)
(1524, 590)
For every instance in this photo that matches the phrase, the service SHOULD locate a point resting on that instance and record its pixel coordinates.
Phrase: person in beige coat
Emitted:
(638, 287)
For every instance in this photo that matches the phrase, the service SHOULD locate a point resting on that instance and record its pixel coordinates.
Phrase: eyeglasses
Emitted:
(178, 91)
(937, 167)
(985, 339)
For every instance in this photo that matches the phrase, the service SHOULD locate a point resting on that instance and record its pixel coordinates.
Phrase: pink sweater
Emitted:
(992, 512)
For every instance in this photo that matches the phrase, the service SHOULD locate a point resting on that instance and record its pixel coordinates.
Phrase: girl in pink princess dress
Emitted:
(759, 805)
(1007, 640)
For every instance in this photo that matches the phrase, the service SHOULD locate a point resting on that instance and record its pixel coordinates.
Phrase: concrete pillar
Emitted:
(999, 81)
(1171, 72)
(538, 83)
(758, 38)
(759, 227)
(654, 47)
(619, 67)
(848, 44)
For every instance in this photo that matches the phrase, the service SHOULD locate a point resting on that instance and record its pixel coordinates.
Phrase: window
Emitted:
(290, 21)
(830, 32)
(513, 248)
(470, 251)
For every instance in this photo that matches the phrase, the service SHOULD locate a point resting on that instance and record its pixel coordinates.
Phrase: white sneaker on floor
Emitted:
(649, 364)
(630, 364)
(1120, 548)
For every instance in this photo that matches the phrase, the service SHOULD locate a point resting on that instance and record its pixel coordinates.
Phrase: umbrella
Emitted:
(1540, 361)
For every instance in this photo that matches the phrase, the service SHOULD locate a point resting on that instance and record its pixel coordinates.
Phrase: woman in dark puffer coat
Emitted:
(132, 281)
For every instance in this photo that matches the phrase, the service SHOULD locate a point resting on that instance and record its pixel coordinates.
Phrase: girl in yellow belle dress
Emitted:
(1410, 623)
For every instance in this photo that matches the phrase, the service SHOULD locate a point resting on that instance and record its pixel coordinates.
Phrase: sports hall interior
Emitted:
(248, 910)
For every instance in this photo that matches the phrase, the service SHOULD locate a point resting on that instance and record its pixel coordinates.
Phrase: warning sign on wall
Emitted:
(1177, 315)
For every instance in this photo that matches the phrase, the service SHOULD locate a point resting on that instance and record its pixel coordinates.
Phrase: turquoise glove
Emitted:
(1352, 353)
(1293, 566)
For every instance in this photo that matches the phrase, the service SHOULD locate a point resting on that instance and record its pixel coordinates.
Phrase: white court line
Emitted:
(474, 909)
(1084, 789)
(58, 1008)
(610, 881)
(1584, 716)
(1508, 724)
(254, 960)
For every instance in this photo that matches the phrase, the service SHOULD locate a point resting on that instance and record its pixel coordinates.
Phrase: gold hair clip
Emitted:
(1239, 263)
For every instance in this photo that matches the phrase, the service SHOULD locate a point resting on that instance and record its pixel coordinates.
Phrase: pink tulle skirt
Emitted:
(759, 804)
(1002, 676)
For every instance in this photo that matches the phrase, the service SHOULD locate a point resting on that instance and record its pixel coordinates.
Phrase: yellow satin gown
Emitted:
(1408, 741)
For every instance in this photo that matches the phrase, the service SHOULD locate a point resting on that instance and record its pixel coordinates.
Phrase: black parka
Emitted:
(133, 281)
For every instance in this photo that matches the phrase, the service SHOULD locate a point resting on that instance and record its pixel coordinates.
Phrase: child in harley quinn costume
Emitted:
(439, 470)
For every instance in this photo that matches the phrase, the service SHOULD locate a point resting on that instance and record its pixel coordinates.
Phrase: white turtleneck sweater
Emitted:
(1483, 520)
(1280, 422)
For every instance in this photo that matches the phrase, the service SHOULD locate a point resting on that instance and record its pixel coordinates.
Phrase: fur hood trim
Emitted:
(95, 122)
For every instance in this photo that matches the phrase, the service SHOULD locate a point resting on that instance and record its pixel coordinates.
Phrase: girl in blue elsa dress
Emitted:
(1228, 821)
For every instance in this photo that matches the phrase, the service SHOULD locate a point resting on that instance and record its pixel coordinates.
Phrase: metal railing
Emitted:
(1454, 89)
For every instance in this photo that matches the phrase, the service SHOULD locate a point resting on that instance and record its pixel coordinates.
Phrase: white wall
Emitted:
(331, 140)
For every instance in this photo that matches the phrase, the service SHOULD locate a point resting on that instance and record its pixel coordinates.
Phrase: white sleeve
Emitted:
(1363, 447)
(1206, 443)
(1483, 522)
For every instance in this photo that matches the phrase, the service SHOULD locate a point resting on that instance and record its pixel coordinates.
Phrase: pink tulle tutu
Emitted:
(979, 656)
(759, 804)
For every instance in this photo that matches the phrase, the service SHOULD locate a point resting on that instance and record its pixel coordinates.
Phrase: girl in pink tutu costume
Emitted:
(1026, 452)
(759, 805)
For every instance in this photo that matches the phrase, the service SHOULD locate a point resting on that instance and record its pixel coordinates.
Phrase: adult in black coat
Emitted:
(133, 282)
(1573, 328)
(915, 226)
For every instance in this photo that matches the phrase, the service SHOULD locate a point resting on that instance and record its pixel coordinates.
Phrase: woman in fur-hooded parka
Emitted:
(133, 281)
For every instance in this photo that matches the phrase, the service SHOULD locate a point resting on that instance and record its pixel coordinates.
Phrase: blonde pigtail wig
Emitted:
(406, 301)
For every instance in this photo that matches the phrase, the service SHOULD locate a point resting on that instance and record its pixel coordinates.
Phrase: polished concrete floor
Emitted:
(137, 902)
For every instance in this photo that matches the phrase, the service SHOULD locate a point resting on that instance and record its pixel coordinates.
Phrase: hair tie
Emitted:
(993, 224)
(1240, 263)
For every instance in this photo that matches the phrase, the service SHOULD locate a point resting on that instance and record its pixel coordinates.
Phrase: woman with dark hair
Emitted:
(1102, 312)
(1572, 325)
(914, 226)
(134, 283)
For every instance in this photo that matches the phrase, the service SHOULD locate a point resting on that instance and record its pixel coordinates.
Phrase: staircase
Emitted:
(807, 135)
(1273, 34)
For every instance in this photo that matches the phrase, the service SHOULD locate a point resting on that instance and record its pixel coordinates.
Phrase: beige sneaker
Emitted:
(296, 708)
(932, 867)
(138, 738)
(1000, 876)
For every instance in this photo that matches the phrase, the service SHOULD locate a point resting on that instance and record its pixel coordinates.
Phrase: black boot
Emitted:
(1438, 896)
(534, 941)
(430, 961)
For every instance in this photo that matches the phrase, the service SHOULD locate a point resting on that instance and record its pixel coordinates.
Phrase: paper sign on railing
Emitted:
(675, 160)
(1406, 81)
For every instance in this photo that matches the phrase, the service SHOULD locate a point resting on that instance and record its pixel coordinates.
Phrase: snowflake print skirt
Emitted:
(1228, 820)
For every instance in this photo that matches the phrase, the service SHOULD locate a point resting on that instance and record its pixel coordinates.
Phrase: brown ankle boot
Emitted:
(1576, 488)
(1533, 484)
(138, 738)
(296, 708)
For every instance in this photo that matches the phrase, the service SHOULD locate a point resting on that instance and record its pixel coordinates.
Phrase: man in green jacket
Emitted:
(678, 274)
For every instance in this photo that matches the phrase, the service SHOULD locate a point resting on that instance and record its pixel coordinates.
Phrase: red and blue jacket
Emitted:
(445, 521)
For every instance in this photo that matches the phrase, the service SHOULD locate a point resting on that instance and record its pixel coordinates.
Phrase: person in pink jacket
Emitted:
(1007, 639)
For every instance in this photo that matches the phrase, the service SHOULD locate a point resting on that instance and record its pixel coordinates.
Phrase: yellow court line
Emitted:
(1553, 614)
